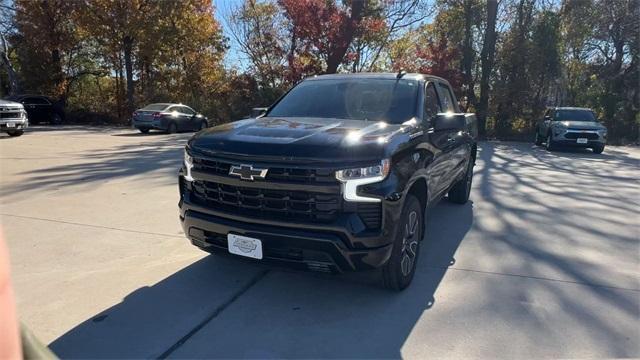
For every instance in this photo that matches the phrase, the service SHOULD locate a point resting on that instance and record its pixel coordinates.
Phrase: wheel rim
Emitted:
(410, 243)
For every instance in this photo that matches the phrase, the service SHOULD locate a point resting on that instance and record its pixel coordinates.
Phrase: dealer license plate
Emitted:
(244, 246)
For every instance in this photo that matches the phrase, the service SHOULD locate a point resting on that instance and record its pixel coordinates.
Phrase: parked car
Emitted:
(571, 126)
(336, 176)
(170, 118)
(41, 108)
(13, 118)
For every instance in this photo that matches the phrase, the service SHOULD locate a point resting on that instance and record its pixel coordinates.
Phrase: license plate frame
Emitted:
(245, 246)
(582, 140)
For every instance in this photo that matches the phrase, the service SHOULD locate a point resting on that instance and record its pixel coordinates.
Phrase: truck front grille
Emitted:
(275, 173)
(11, 115)
(266, 203)
(370, 214)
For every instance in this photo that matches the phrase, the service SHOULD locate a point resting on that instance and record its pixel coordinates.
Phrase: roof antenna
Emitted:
(400, 74)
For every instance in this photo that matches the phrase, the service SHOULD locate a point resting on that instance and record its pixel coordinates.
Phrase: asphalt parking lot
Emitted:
(543, 262)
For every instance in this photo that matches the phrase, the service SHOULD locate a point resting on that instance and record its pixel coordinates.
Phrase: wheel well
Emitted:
(419, 190)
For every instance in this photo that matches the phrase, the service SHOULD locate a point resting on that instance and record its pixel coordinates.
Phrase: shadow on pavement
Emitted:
(148, 321)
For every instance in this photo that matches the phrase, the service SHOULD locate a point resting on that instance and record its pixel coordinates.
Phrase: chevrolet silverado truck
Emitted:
(335, 176)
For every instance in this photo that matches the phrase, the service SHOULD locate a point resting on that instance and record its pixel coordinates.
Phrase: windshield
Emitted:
(574, 115)
(155, 107)
(389, 100)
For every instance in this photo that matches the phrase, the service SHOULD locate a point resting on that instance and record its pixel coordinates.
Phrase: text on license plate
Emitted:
(244, 246)
(582, 140)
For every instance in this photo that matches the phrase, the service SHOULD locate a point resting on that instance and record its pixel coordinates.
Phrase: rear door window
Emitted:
(447, 98)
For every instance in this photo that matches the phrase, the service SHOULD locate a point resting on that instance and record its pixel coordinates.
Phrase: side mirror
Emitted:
(449, 121)
(258, 112)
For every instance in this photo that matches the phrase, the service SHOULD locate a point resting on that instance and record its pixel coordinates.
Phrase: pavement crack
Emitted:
(91, 225)
(254, 280)
(535, 278)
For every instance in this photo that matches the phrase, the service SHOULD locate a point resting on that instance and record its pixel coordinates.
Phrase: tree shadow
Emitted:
(149, 320)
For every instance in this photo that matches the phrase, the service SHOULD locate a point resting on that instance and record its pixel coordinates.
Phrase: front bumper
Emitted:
(18, 124)
(572, 138)
(339, 246)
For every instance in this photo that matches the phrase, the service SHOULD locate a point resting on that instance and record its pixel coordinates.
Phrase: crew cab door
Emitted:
(451, 142)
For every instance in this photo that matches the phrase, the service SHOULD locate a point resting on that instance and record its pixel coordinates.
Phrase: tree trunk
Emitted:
(128, 64)
(487, 58)
(336, 55)
(468, 56)
(14, 86)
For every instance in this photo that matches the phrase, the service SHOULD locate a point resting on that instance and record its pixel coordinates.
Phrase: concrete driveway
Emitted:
(543, 262)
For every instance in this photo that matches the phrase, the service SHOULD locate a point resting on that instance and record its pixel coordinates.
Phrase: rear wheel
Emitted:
(598, 149)
(459, 193)
(56, 119)
(15, 133)
(172, 129)
(398, 272)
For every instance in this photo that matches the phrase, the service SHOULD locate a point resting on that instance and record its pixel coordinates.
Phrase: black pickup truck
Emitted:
(335, 176)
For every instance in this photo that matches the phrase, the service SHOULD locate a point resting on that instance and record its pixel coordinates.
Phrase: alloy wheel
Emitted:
(409, 243)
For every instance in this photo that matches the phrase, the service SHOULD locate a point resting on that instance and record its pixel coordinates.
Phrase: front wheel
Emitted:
(56, 119)
(203, 125)
(15, 133)
(538, 140)
(144, 130)
(550, 144)
(398, 272)
(598, 149)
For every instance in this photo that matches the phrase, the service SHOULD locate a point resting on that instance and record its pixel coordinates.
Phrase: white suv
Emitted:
(13, 118)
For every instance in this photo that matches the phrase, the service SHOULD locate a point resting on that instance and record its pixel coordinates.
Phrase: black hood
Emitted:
(300, 138)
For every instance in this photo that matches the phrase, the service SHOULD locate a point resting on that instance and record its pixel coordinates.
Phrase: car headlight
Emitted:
(188, 165)
(603, 132)
(352, 178)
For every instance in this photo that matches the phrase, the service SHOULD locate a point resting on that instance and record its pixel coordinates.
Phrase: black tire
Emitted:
(550, 144)
(55, 119)
(538, 140)
(144, 130)
(398, 272)
(598, 149)
(172, 128)
(15, 133)
(459, 192)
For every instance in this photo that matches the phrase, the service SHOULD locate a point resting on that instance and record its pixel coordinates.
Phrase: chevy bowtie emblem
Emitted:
(248, 172)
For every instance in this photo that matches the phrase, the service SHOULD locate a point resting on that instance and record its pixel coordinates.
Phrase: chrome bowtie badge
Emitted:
(248, 172)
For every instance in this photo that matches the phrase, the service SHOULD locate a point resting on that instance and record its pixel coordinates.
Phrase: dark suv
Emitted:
(336, 176)
(41, 108)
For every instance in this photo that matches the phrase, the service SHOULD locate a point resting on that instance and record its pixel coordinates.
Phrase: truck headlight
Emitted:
(352, 178)
(188, 165)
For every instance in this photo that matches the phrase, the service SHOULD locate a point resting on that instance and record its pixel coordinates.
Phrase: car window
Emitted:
(574, 115)
(174, 108)
(447, 99)
(155, 107)
(35, 101)
(431, 102)
(186, 110)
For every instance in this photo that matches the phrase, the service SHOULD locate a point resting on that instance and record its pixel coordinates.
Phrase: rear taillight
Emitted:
(135, 113)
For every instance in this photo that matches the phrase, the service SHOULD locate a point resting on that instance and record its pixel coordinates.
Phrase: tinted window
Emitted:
(574, 115)
(431, 102)
(447, 99)
(389, 100)
(35, 101)
(154, 107)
